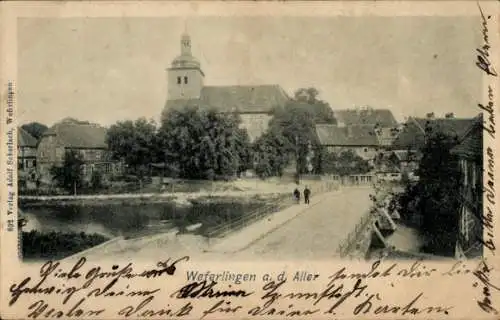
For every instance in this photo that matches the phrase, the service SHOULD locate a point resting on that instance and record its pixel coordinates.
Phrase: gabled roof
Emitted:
(413, 134)
(77, 135)
(262, 98)
(380, 117)
(241, 99)
(471, 143)
(333, 135)
(405, 155)
(24, 139)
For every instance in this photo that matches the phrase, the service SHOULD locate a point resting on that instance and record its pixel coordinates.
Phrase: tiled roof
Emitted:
(24, 139)
(242, 99)
(413, 134)
(73, 135)
(263, 98)
(332, 135)
(381, 117)
(471, 143)
(404, 155)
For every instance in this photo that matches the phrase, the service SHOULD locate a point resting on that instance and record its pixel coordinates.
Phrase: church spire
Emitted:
(185, 41)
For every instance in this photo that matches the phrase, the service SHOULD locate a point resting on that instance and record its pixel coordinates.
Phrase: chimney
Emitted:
(450, 115)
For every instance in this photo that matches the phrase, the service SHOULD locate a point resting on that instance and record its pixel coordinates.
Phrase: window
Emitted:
(185, 80)
(179, 80)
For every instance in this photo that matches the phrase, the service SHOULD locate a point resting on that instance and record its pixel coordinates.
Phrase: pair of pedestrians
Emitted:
(307, 195)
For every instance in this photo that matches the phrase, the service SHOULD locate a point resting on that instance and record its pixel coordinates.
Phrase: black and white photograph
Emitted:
(255, 137)
(249, 160)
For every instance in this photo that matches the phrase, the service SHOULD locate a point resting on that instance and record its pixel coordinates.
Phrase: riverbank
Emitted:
(239, 190)
(141, 198)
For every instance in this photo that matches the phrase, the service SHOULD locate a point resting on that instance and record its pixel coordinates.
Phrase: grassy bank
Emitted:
(57, 245)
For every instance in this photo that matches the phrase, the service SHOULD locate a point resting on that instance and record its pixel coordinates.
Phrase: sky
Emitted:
(109, 69)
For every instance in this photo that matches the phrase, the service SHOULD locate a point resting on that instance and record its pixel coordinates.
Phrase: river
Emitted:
(132, 220)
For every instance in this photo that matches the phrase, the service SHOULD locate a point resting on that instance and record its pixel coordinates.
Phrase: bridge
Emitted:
(335, 224)
(338, 223)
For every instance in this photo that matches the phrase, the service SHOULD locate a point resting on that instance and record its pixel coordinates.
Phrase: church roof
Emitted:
(380, 117)
(185, 61)
(241, 99)
(333, 135)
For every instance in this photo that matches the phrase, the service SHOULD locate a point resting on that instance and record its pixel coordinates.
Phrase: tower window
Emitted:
(185, 80)
(179, 81)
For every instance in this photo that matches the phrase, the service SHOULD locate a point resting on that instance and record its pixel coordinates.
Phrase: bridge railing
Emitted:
(247, 219)
(317, 187)
(353, 236)
(351, 180)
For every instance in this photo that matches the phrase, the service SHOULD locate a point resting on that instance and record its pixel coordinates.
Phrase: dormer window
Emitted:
(179, 80)
(185, 80)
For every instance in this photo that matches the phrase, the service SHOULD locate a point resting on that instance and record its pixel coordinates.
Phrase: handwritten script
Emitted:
(86, 277)
(88, 291)
(482, 273)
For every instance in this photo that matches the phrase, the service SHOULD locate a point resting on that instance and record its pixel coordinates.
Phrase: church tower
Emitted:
(185, 77)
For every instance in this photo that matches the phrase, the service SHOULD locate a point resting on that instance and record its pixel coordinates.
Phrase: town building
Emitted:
(415, 130)
(361, 139)
(406, 161)
(253, 103)
(88, 140)
(470, 154)
(381, 118)
(26, 151)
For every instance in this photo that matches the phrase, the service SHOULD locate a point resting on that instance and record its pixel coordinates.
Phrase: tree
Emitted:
(344, 163)
(434, 196)
(296, 122)
(322, 111)
(244, 151)
(271, 154)
(69, 176)
(134, 142)
(96, 180)
(203, 143)
(35, 129)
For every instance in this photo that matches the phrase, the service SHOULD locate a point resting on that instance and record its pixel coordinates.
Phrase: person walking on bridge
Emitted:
(307, 195)
(296, 195)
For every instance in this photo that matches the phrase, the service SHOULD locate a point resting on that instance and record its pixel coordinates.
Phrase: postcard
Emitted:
(249, 160)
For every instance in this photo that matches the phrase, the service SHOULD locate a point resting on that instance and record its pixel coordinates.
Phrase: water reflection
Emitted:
(130, 220)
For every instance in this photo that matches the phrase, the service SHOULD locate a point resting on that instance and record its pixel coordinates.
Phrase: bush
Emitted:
(96, 180)
(57, 245)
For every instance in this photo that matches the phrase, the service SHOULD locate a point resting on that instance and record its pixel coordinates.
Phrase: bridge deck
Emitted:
(317, 232)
